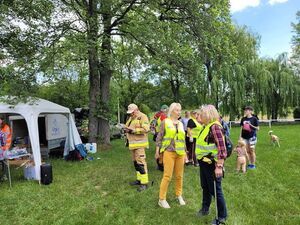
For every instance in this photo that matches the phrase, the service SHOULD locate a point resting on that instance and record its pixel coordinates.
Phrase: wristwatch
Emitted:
(219, 166)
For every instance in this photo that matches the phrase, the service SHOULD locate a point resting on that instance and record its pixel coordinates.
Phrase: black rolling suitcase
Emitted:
(46, 174)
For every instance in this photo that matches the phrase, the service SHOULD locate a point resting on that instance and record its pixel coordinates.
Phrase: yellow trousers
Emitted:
(172, 162)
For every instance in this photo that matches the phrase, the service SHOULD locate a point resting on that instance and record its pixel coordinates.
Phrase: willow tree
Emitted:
(296, 36)
(295, 58)
(233, 76)
(280, 87)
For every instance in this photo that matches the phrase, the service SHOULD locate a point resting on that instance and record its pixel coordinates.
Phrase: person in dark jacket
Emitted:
(249, 127)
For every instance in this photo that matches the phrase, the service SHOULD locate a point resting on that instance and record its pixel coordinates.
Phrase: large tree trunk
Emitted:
(105, 76)
(217, 99)
(175, 86)
(274, 113)
(209, 78)
(275, 106)
(94, 77)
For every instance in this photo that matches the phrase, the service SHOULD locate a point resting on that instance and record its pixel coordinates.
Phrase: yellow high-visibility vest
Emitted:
(171, 133)
(157, 127)
(202, 147)
(196, 130)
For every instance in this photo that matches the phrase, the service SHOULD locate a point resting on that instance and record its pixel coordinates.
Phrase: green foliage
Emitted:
(97, 191)
(145, 109)
(146, 52)
(296, 36)
(70, 91)
(281, 86)
(295, 59)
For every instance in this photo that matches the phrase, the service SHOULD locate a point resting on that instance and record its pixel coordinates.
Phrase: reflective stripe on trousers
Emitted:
(138, 144)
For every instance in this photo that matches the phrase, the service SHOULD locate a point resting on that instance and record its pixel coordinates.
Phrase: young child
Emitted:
(242, 156)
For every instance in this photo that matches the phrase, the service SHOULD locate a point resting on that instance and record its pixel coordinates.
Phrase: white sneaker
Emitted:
(180, 200)
(164, 204)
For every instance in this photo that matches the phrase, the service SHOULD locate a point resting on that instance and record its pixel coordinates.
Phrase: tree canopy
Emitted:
(96, 53)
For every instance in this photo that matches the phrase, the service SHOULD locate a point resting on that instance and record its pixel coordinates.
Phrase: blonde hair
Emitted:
(210, 113)
(172, 107)
(241, 143)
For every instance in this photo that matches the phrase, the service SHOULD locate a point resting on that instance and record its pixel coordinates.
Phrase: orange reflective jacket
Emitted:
(7, 137)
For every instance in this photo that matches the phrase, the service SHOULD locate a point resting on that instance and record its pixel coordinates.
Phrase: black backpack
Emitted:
(229, 145)
(74, 156)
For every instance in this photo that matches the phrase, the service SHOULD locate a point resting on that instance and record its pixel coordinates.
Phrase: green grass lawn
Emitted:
(97, 192)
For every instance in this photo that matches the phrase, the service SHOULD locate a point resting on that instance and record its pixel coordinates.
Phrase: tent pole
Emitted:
(118, 110)
(69, 131)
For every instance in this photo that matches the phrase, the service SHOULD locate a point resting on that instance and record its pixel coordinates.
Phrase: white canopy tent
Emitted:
(31, 111)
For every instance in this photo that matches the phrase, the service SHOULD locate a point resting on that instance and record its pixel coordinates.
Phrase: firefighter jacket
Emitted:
(138, 138)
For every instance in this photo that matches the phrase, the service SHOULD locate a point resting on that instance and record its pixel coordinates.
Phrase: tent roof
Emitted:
(33, 105)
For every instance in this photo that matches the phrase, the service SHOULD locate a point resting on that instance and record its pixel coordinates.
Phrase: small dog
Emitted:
(274, 139)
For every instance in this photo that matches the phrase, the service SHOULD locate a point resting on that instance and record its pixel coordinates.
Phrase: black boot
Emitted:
(142, 187)
(136, 182)
(160, 167)
(202, 213)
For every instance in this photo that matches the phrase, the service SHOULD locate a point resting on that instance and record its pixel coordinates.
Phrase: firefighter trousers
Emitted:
(140, 165)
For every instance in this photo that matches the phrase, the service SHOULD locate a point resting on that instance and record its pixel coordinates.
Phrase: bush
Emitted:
(297, 113)
(145, 109)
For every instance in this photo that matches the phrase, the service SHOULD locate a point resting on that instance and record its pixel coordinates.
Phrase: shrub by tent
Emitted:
(30, 111)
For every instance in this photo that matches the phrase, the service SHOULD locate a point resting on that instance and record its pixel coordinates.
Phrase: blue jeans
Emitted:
(207, 183)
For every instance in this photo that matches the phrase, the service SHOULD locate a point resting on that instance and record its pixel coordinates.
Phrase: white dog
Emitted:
(274, 139)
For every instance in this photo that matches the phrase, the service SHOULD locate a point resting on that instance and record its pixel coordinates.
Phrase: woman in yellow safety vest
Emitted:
(171, 141)
(211, 153)
(193, 130)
